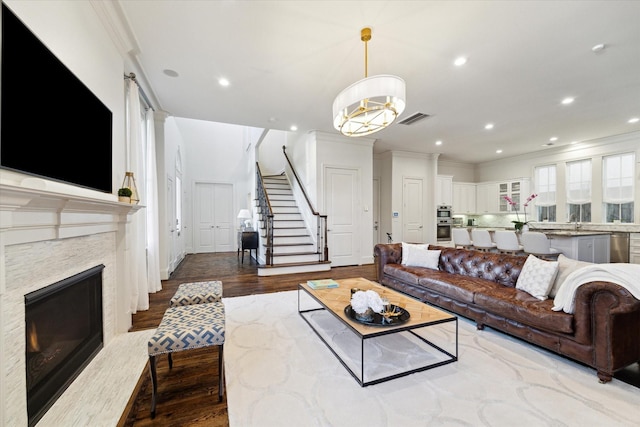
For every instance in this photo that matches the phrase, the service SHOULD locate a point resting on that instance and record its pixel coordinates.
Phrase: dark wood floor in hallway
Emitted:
(188, 394)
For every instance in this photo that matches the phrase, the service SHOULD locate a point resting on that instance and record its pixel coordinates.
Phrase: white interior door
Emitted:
(213, 211)
(342, 200)
(412, 226)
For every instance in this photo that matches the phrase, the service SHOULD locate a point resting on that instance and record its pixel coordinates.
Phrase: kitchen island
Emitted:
(583, 245)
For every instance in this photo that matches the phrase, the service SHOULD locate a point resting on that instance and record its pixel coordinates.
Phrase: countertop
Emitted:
(570, 233)
(548, 232)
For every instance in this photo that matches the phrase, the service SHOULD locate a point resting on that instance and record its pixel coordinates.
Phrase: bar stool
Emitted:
(482, 240)
(461, 238)
(507, 242)
(538, 244)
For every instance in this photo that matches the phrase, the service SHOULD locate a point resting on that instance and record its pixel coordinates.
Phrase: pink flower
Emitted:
(530, 198)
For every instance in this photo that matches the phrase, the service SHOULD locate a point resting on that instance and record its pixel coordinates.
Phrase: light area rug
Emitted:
(279, 373)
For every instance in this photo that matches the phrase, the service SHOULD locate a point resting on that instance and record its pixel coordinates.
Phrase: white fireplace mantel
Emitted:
(29, 214)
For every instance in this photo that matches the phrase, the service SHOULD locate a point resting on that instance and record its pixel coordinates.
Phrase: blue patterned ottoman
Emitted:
(197, 293)
(184, 328)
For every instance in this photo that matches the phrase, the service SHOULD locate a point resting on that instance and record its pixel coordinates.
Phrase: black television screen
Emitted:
(51, 124)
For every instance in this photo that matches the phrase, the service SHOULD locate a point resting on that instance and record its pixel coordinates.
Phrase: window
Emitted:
(545, 184)
(579, 191)
(618, 187)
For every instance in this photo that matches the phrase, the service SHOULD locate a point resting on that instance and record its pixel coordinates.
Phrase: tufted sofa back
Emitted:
(499, 268)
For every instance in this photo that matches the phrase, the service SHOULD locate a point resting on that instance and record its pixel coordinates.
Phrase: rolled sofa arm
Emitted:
(608, 317)
(386, 253)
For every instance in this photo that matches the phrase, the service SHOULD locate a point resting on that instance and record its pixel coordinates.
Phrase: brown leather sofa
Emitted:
(603, 332)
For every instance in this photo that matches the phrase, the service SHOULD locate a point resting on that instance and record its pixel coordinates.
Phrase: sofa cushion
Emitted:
(406, 249)
(566, 266)
(520, 306)
(403, 273)
(457, 287)
(537, 276)
(422, 257)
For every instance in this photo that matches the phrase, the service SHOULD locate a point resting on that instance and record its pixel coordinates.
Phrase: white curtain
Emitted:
(617, 178)
(153, 228)
(545, 182)
(135, 256)
(579, 182)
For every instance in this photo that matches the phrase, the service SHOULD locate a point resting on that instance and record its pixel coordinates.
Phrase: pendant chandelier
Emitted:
(370, 104)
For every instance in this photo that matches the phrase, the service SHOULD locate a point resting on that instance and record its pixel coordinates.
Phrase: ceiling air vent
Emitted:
(416, 117)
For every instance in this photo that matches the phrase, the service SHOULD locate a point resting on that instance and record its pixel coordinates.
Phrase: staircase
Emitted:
(294, 249)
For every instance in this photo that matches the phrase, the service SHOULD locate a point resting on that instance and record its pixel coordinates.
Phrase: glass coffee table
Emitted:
(375, 351)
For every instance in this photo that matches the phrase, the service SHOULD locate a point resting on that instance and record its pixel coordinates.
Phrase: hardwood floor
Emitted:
(188, 394)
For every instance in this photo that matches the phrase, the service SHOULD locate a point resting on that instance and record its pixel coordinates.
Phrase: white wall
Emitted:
(461, 172)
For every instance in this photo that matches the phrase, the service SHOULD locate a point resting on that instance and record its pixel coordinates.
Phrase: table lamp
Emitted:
(245, 216)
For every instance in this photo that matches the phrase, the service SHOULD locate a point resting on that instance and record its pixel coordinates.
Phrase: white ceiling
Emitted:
(287, 60)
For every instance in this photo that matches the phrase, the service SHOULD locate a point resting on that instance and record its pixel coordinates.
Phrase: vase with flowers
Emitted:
(520, 226)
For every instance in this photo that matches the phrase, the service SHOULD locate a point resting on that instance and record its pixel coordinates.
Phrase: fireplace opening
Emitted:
(63, 334)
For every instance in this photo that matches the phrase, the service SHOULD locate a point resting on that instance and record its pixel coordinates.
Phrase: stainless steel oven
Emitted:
(444, 218)
(444, 212)
(443, 229)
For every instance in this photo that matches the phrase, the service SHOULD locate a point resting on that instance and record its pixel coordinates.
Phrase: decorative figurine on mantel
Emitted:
(129, 182)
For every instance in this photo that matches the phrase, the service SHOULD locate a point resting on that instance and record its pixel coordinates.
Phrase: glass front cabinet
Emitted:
(516, 190)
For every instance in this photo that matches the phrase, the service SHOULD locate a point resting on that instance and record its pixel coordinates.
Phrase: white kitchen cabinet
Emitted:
(487, 198)
(464, 198)
(444, 190)
(634, 248)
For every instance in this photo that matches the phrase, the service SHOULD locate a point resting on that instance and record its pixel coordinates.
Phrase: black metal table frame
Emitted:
(452, 358)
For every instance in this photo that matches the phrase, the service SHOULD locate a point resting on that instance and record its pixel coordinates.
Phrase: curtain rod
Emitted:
(132, 76)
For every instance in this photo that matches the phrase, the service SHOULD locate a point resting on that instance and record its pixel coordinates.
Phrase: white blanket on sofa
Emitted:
(626, 275)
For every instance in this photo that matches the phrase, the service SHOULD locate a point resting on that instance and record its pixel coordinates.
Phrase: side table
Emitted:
(248, 240)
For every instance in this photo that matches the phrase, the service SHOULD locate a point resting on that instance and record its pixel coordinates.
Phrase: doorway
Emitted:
(213, 217)
(343, 225)
(412, 226)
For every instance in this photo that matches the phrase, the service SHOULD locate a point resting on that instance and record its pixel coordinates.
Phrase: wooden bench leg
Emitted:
(220, 372)
(154, 385)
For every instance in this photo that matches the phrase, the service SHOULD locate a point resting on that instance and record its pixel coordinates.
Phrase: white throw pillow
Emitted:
(406, 247)
(537, 276)
(422, 257)
(566, 266)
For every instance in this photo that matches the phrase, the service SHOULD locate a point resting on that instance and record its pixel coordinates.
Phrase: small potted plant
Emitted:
(124, 195)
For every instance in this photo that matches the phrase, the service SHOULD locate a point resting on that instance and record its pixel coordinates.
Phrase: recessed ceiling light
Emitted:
(488, 126)
(498, 151)
(568, 100)
(438, 142)
(553, 138)
(460, 61)
(170, 73)
(223, 82)
(634, 120)
(293, 128)
(598, 48)
(273, 119)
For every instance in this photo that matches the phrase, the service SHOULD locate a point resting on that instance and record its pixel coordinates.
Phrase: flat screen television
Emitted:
(51, 124)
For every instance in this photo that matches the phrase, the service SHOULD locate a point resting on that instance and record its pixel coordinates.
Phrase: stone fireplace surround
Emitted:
(48, 232)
